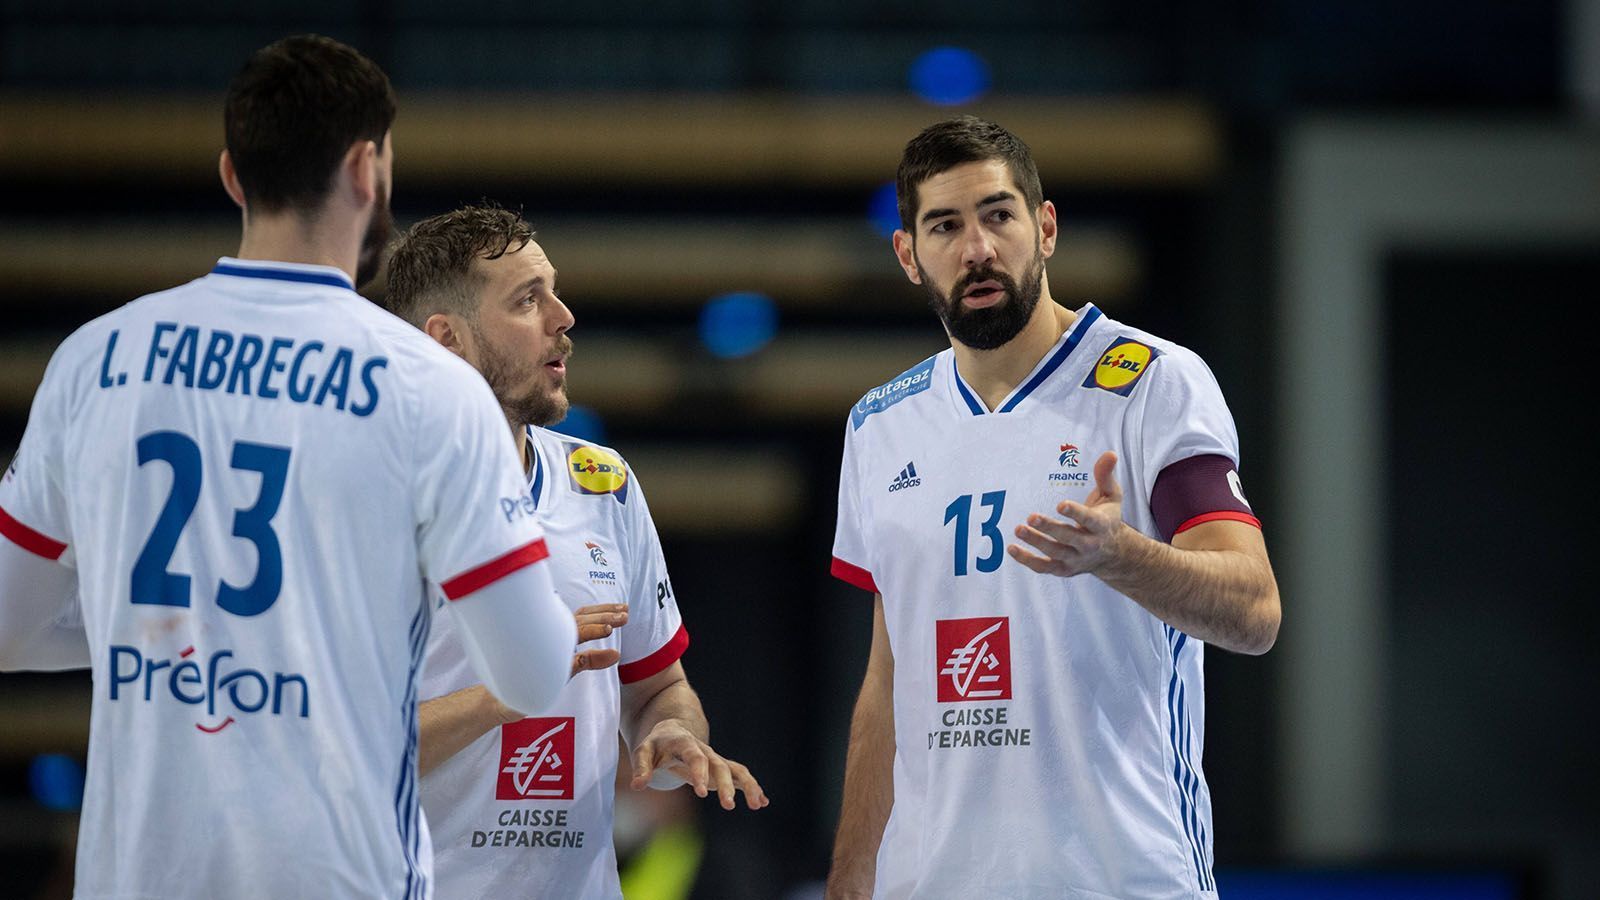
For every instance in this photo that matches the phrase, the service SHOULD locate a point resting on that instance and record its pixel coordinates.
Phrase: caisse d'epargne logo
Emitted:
(973, 659)
(536, 759)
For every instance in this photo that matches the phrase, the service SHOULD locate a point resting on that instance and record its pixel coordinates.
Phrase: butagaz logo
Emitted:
(1069, 456)
(973, 658)
(597, 554)
(907, 478)
(218, 688)
(536, 759)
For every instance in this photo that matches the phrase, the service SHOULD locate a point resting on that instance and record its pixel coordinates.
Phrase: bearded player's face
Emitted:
(519, 338)
(978, 252)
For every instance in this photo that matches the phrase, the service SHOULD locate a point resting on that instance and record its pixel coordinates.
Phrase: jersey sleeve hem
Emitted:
(30, 540)
(1218, 516)
(853, 575)
(669, 653)
(495, 569)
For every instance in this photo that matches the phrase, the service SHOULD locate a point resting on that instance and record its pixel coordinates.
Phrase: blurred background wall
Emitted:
(1378, 223)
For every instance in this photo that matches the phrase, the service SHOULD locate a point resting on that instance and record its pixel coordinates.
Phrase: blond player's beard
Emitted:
(537, 407)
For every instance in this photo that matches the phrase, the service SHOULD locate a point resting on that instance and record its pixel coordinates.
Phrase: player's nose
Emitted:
(977, 249)
(561, 317)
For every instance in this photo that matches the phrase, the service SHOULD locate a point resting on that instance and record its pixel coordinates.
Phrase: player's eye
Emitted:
(943, 227)
(1003, 215)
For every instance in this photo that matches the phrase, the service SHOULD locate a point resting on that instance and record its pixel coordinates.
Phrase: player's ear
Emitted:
(1047, 228)
(906, 252)
(442, 329)
(360, 171)
(230, 179)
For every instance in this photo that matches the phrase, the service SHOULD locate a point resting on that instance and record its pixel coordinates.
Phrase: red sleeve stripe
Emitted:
(1226, 514)
(494, 570)
(854, 575)
(669, 653)
(30, 540)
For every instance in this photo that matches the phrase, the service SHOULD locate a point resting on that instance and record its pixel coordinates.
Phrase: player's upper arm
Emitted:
(476, 540)
(655, 637)
(852, 559)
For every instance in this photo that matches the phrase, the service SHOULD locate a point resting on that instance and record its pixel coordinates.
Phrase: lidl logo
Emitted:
(592, 470)
(1121, 366)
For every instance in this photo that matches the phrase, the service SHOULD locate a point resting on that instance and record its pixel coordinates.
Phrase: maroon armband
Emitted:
(1196, 490)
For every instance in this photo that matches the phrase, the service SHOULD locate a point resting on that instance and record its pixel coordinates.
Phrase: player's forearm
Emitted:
(448, 724)
(674, 701)
(34, 591)
(1227, 598)
(868, 794)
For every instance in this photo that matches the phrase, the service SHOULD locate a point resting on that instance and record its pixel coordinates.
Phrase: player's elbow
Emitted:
(1261, 629)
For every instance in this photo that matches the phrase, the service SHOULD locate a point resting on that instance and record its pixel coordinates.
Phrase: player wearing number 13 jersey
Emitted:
(249, 483)
(1041, 715)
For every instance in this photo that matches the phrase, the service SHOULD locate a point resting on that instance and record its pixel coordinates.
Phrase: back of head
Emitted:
(944, 145)
(293, 111)
(430, 267)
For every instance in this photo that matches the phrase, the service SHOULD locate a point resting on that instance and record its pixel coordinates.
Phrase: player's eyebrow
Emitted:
(996, 197)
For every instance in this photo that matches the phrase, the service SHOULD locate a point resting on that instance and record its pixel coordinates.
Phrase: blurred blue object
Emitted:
(1325, 885)
(949, 76)
(738, 324)
(883, 210)
(582, 423)
(57, 781)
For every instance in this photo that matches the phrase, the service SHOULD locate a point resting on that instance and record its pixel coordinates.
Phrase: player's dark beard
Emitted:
(537, 407)
(991, 326)
(376, 238)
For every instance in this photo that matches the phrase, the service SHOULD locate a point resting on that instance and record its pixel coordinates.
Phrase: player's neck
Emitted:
(996, 373)
(289, 238)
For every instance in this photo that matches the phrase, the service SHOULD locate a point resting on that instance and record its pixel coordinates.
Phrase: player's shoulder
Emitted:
(1128, 358)
(907, 386)
(587, 468)
(74, 363)
(422, 363)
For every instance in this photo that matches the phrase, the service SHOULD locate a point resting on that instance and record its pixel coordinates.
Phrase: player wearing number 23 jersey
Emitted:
(231, 503)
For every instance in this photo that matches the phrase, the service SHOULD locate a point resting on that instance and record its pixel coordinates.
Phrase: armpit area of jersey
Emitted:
(1196, 490)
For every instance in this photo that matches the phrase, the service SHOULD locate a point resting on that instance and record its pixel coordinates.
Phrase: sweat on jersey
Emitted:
(1048, 731)
(526, 810)
(255, 476)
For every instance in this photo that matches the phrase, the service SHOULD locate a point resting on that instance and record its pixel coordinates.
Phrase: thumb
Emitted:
(1104, 476)
(643, 763)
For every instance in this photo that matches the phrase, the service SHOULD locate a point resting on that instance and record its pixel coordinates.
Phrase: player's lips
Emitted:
(558, 365)
(984, 293)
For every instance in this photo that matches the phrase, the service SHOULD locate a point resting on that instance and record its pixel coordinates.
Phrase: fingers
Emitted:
(754, 796)
(722, 775)
(1042, 565)
(599, 620)
(588, 660)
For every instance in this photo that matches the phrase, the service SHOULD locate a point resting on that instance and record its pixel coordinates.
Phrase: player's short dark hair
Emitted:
(293, 111)
(430, 267)
(944, 145)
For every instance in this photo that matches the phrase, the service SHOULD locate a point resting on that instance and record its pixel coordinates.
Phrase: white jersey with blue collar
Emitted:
(1048, 731)
(255, 476)
(526, 810)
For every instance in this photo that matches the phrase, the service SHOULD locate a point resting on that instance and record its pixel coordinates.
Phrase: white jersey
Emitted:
(254, 475)
(525, 810)
(1048, 731)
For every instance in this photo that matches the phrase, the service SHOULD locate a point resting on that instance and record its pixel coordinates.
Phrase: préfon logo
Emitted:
(223, 688)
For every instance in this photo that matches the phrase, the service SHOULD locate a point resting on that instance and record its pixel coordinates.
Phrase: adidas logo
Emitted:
(906, 479)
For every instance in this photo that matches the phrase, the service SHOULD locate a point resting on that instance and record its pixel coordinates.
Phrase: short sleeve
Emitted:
(851, 561)
(1182, 414)
(33, 499)
(655, 636)
(473, 518)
